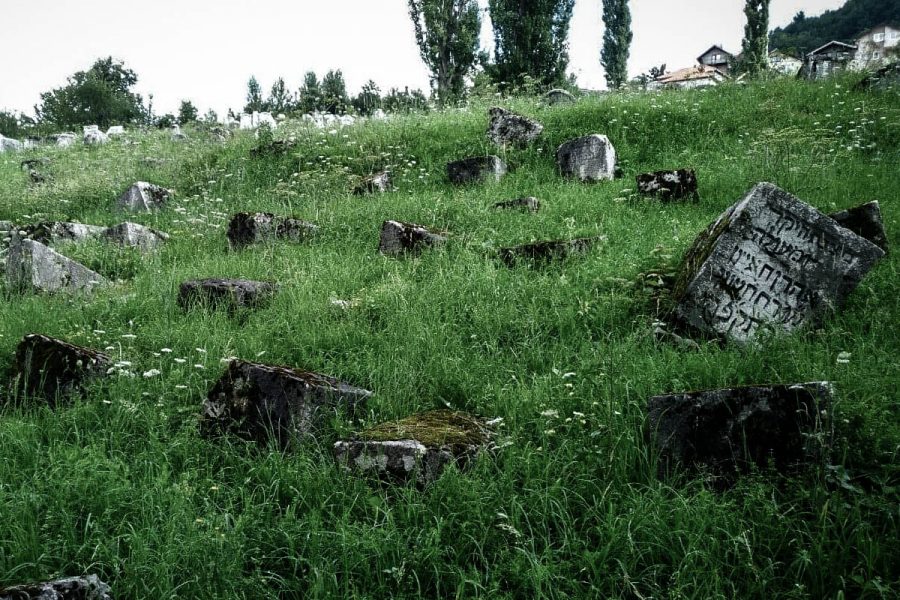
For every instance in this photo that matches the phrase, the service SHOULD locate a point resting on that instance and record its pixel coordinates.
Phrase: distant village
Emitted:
(871, 50)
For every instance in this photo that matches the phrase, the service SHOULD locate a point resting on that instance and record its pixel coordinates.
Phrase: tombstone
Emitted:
(529, 204)
(416, 448)
(265, 118)
(509, 129)
(399, 238)
(230, 294)
(93, 136)
(64, 140)
(115, 131)
(10, 145)
(254, 401)
(32, 266)
(864, 220)
(54, 369)
(133, 235)
(33, 163)
(246, 121)
(177, 135)
(736, 429)
(54, 232)
(545, 252)
(246, 229)
(346, 120)
(669, 185)
(378, 183)
(30, 143)
(769, 263)
(143, 197)
(589, 158)
(476, 169)
(88, 587)
(557, 96)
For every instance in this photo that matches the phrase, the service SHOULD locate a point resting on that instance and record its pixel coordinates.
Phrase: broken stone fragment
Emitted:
(770, 262)
(864, 220)
(254, 401)
(529, 204)
(133, 235)
(509, 129)
(589, 158)
(557, 96)
(248, 228)
(93, 136)
(54, 369)
(401, 238)
(544, 252)
(143, 197)
(54, 232)
(735, 429)
(231, 294)
(379, 183)
(88, 587)
(32, 266)
(669, 185)
(476, 169)
(416, 448)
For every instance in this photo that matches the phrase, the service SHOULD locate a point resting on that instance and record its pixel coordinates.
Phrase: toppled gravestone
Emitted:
(588, 158)
(476, 169)
(248, 228)
(88, 587)
(143, 197)
(253, 401)
(133, 235)
(545, 252)
(769, 262)
(93, 136)
(417, 448)
(379, 183)
(10, 145)
(401, 238)
(864, 220)
(32, 266)
(54, 369)
(231, 294)
(125, 234)
(557, 96)
(510, 129)
(735, 429)
(669, 185)
(529, 204)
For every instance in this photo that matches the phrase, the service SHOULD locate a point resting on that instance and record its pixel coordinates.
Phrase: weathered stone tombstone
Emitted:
(133, 235)
(398, 238)
(732, 430)
(10, 145)
(93, 136)
(54, 369)
(125, 234)
(770, 262)
(115, 131)
(417, 448)
(510, 129)
(669, 185)
(557, 96)
(64, 140)
(544, 252)
(589, 158)
(230, 294)
(246, 228)
(143, 197)
(254, 401)
(476, 169)
(379, 183)
(32, 266)
(864, 220)
(88, 587)
(528, 204)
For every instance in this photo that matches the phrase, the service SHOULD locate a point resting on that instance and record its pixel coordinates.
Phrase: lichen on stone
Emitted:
(433, 429)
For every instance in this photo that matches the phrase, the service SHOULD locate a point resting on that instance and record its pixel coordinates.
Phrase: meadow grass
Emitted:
(120, 483)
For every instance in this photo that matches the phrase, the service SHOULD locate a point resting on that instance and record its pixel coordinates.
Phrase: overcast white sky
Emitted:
(205, 50)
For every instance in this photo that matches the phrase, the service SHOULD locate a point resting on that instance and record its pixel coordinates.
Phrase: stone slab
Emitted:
(32, 266)
(231, 294)
(528, 204)
(669, 185)
(510, 129)
(53, 368)
(476, 169)
(545, 252)
(590, 158)
(248, 228)
(143, 197)
(88, 587)
(398, 238)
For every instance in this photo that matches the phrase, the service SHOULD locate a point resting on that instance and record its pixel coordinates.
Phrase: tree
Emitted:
(280, 100)
(254, 97)
(368, 100)
(334, 93)
(530, 40)
(310, 97)
(10, 126)
(101, 96)
(211, 117)
(447, 36)
(616, 42)
(187, 112)
(755, 47)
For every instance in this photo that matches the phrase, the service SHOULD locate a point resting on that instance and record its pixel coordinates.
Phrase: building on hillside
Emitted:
(783, 63)
(718, 58)
(826, 60)
(691, 77)
(877, 47)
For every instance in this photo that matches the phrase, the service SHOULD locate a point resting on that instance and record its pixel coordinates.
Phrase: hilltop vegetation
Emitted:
(805, 34)
(120, 482)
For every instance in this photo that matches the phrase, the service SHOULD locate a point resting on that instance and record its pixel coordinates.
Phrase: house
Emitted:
(783, 63)
(718, 58)
(828, 59)
(691, 77)
(877, 46)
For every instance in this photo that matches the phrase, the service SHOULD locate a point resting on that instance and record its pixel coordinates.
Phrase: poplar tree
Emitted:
(254, 96)
(755, 47)
(616, 42)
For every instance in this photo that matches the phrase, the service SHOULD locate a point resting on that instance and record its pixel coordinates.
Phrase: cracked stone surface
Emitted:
(32, 266)
(510, 129)
(231, 294)
(88, 587)
(143, 197)
(248, 228)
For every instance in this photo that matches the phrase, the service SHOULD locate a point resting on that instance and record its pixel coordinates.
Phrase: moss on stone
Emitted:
(433, 429)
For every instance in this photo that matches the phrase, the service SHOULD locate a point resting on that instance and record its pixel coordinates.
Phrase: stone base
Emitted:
(88, 587)
(588, 159)
(399, 238)
(246, 229)
(476, 169)
(231, 294)
(53, 369)
(544, 252)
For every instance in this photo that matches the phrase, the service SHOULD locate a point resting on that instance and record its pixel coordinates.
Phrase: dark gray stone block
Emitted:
(248, 228)
(545, 252)
(399, 238)
(510, 129)
(54, 369)
(669, 185)
(864, 220)
(476, 169)
(231, 294)
(589, 158)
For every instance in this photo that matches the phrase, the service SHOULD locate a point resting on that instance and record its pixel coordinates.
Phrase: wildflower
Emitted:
(128, 336)
(181, 387)
(180, 361)
(550, 414)
(152, 373)
(166, 350)
(843, 358)
(200, 350)
(198, 366)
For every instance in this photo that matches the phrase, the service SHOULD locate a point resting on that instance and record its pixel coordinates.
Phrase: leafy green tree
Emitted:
(102, 96)
(616, 42)
(166, 121)
(405, 102)
(280, 100)
(10, 125)
(310, 96)
(254, 97)
(211, 117)
(530, 39)
(755, 46)
(334, 93)
(447, 36)
(368, 100)
(187, 112)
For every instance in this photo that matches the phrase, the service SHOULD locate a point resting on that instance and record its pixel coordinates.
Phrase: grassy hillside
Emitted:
(805, 34)
(120, 483)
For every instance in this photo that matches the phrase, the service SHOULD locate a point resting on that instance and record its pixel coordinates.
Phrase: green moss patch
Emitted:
(433, 429)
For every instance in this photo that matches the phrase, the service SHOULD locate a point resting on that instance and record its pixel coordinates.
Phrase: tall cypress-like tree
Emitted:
(755, 47)
(616, 42)
(280, 100)
(310, 97)
(447, 35)
(254, 96)
(530, 39)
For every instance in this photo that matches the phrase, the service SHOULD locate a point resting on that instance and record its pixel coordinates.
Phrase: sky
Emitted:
(206, 50)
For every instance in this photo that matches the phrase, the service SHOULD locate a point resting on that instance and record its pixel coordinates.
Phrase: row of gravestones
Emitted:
(769, 263)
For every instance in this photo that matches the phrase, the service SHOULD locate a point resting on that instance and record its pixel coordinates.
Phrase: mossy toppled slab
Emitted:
(246, 228)
(88, 587)
(143, 197)
(510, 129)
(669, 185)
(417, 448)
(528, 204)
(253, 401)
(476, 169)
(126, 234)
(398, 238)
(53, 369)
(379, 183)
(588, 159)
(538, 253)
(33, 267)
(230, 294)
